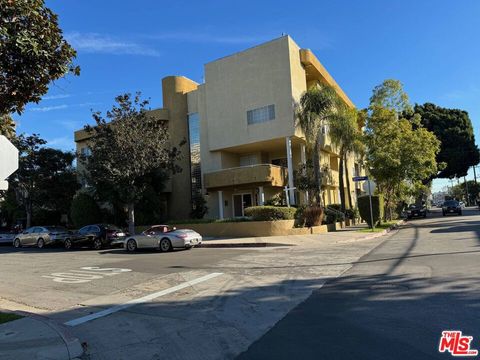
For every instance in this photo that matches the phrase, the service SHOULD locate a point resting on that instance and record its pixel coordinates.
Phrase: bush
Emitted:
(313, 216)
(352, 213)
(84, 210)
(364, 208)
(200, 208)
(332, 215)
(270, 213)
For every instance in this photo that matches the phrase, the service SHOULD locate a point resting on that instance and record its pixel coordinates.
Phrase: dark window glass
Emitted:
(195, 161)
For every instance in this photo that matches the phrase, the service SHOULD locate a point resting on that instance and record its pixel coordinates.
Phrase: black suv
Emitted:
(416, 211)
(96, 236)
(451, 207)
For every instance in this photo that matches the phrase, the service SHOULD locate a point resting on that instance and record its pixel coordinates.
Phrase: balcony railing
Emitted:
(260, 175)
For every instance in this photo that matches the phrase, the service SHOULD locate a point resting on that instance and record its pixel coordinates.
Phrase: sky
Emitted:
(431, 46)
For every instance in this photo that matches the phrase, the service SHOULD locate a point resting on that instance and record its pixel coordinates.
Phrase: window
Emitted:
(85, 151)
(195, 163)
(247, 160)
(260, 115)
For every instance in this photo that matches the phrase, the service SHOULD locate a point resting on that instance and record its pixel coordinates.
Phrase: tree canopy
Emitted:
(129, 147)
(45, 181)
(400, 151)
(454, 129)
(33, 53)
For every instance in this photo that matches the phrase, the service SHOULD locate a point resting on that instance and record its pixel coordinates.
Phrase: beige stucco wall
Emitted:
(175, 89)
(253, 78)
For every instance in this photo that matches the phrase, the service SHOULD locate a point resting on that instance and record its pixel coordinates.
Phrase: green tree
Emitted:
(315, 108)
(45, 179)
(399, 151)
(84, 210)
(454, 129)
(126, 150)
(7, 126)
(459, 191)
(33, 53)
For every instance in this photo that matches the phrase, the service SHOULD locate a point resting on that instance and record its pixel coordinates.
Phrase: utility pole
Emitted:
(475, 174)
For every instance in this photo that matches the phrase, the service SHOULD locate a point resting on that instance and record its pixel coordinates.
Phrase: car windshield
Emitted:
(450, 203)
(412, 206)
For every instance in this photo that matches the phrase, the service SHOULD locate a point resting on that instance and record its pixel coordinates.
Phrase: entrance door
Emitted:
(240, 202)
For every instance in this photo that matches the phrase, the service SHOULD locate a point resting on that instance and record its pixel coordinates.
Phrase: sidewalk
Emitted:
(36, 337)
(348, 234)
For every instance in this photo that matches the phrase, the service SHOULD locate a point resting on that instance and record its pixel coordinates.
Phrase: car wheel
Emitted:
(17, 244)
(40, 243)
(131, 245)
(459, 213)
(443, 214)
(97, 244)
(68, 245)
(165, 245)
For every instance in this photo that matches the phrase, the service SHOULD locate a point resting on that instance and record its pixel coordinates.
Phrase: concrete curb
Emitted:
(241, 245)
(226, 244)
(72, 344)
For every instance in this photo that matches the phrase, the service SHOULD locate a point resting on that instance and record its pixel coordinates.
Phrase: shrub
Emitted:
(332, 215)
(84, 210)
(364, 208)
(352, 213)
(270, 213)
(200, 207)
(313, 216)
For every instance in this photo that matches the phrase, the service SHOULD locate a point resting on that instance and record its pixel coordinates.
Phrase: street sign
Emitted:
(8, 161)
(359, 178)
(369, 187)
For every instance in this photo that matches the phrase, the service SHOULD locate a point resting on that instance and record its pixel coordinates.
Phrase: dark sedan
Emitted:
(96, 236)
(451, 207)
(416, 211)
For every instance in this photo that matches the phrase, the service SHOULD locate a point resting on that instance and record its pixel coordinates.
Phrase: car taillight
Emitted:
(181, 236)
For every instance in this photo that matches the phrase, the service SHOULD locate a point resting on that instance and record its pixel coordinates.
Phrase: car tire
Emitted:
(40, 243)
(131, 245)
(459, 213)
(165, 245)
(17, 244)
(444, 214)
(97, 244)
(68, 244)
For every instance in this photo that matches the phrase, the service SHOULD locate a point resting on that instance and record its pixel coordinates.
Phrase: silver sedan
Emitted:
(163, 238)
(40, 236)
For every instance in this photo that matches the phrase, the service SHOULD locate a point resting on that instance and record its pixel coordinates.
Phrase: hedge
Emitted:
(270, 213)
(364, 208)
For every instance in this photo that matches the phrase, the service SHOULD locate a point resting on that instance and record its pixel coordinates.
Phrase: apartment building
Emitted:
(243, 143)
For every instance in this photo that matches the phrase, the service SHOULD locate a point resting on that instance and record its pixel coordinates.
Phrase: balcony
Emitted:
(253, 175)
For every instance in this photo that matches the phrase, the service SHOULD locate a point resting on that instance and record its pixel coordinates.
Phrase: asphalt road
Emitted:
(394, 302)
(205, 303)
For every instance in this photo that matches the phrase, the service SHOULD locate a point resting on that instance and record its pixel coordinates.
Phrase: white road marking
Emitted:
(85, 275)
(141, 300)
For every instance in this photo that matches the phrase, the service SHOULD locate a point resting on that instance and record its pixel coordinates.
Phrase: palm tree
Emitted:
(7, 126)
(315, 108)
(345, 134)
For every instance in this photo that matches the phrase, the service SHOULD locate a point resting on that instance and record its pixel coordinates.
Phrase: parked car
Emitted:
(163, 238)
(41, 236)
(6, 237)
(451, 207)
(414, 210)
(96, 236)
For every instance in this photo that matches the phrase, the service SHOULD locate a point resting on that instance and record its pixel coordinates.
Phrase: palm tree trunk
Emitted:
(340, 181)
(347, 176)
(317, 174)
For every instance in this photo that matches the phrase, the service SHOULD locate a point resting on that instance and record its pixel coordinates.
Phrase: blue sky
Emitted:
(125, 46)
